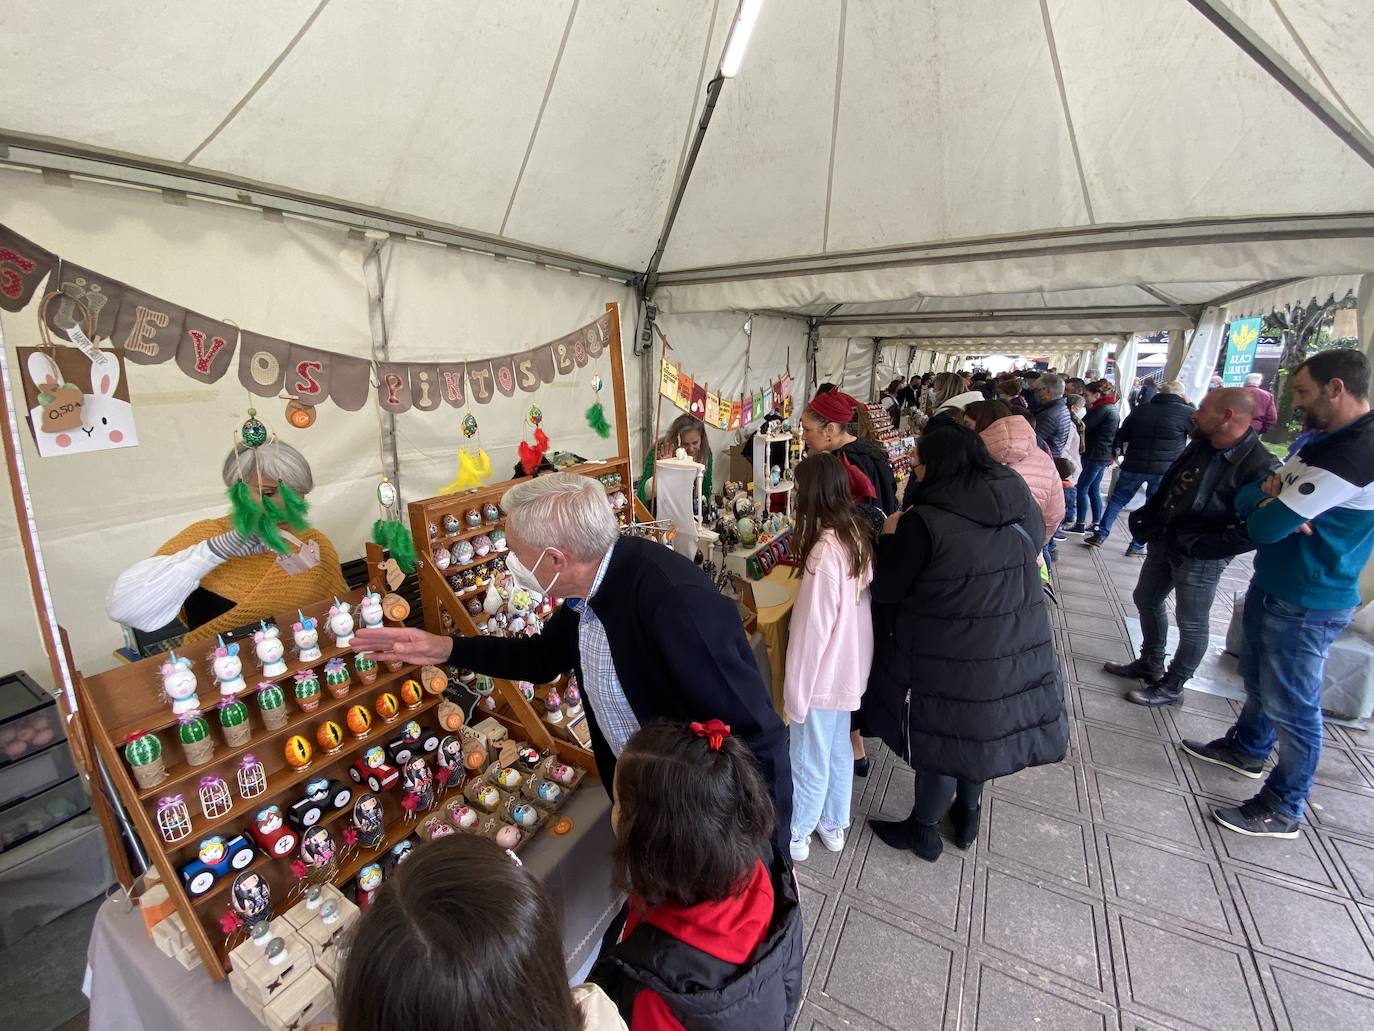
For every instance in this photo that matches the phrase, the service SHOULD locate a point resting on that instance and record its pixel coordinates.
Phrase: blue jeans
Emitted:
(1090, 489)
(822, 772)
(1282, 660)
(1126, 486)
(1070, 504)
(1193, 582)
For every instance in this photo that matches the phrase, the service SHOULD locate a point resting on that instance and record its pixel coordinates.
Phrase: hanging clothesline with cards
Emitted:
(725, 412)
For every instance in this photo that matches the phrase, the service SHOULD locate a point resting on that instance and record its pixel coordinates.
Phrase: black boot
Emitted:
(1136, 669)
(1167, 690)
(965, 821)
(910, 834)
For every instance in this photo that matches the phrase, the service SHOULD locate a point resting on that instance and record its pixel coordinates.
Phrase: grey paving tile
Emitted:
(998, 997)
(1088, 604)
(1148, 810)
(1058, 786)
(1213, 705)
(1165, 881)
(1303, 860)
(1057, 931)
(1114, 749)
(1102, 648)
(1177, 975)
(818, 908)
(1340, 766)
(1345, 809)
(1082, 587)
(1102, 625)
(1112, 707)
(1090, 671)
(1306, 1000)
(1056, 846)
(1356, 859)
(1302, 925)
(920, 977)
(939, 892)
(1191, 725)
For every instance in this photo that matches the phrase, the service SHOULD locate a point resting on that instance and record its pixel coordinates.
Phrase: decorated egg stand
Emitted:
(758, 524)
(475, 609)
(196, 813)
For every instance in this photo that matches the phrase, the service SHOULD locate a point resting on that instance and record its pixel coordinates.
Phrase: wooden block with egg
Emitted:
(284, 961)
(301, 1004)
(308, 908)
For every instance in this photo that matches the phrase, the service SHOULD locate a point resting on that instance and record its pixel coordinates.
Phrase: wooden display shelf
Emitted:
(464, 567)
(299, 722)
(244, 808)
(464, 535)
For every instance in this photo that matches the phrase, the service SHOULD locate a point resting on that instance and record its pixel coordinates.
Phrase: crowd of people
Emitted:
(922, 622)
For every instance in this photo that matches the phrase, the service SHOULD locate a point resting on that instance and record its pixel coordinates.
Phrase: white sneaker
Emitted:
(800, 849)
(833, 840)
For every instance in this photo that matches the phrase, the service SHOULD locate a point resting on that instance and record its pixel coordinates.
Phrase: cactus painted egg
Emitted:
(359, 720)
(298, 752)
(329, 736)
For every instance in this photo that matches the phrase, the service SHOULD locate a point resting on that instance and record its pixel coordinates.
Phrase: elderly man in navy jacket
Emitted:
(647, 634)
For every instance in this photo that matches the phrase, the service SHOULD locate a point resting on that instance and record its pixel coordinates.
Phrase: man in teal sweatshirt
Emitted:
(1313, 522)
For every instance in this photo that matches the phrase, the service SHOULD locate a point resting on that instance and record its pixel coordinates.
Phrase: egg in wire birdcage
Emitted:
(252, 777)
(173, 819)
(215, 799)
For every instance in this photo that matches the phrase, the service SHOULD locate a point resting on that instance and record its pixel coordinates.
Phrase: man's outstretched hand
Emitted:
(403, 644)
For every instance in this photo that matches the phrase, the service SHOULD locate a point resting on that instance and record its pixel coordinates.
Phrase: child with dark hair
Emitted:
(458, 930)
(712, 937)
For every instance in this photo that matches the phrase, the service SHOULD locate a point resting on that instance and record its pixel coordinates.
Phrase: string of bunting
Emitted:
(152, 331)
(719, 410)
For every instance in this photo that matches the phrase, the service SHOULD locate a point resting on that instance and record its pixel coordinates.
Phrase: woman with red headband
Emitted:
(831, 423)
(712, 935)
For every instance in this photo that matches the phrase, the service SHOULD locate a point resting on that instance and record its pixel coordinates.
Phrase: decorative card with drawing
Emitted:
(77, 404)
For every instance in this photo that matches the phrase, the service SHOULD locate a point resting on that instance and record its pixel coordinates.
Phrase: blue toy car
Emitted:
(215, 859)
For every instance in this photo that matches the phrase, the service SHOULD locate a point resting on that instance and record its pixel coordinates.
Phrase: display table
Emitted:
(774, 621)
(134, 987)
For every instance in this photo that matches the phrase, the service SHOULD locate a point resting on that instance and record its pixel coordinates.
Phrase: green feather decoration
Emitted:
(244, 512)
(596, 419)
(296, 508)
(393, 535)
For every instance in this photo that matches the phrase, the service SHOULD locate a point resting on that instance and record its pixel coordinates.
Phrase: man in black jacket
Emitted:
(646, 632)
(1052, 419)
(1152, 436)
(1193, 532)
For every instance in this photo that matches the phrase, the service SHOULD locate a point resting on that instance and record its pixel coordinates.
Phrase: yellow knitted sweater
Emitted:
(258, 586)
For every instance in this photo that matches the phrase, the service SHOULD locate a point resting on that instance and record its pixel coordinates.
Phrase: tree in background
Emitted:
(1302, 330)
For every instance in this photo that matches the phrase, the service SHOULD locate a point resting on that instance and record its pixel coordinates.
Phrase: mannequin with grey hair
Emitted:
(216, 579)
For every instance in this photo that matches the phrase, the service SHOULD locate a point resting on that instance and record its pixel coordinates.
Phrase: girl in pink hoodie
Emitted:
(829, 651)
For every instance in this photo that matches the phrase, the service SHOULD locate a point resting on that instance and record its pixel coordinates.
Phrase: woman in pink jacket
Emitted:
(1010, 439)
(829, 651)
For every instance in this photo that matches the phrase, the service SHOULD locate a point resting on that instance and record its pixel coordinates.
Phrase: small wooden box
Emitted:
(264, 980)
(324, 938)
(301, 914)
(330, 962)
(169, 934)
(300, 1004)
(249, 953)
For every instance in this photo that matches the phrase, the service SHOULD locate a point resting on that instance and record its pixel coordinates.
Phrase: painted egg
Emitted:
(433, 531)
(550, 792)
(562, 773)
(473, 518)
(463, 552)
(490, 512)
(439, 830)
(462, 816)
(488, 796)
(411, 693)
(451, 524)
(387, 706)
(525, 815)
(359, 720)
(481, 546)
(748, 534)
(329, 736)
(508, 836)
(386, 493)
(298, 752)
(509, 778)
(442, 558)
(498, 539)
(529, 757)
(474, 606)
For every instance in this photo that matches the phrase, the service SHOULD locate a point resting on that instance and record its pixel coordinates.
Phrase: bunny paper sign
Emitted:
(77, 403)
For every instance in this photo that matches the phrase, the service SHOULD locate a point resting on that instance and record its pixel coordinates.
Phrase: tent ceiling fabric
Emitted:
(853, 127)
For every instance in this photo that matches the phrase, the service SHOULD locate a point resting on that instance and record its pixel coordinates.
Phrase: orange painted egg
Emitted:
(412, 693)
(359, 720)
(329, 735)
(298, 752)
(387, 706)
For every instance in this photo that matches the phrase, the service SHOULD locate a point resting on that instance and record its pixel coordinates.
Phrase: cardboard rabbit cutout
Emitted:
(106, 420)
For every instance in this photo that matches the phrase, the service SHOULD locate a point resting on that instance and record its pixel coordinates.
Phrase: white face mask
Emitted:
(525, 577)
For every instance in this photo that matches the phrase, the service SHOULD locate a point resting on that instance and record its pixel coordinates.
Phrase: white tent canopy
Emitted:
(996, 175)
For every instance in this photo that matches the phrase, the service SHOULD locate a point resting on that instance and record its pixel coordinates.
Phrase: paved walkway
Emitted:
(1100, 894)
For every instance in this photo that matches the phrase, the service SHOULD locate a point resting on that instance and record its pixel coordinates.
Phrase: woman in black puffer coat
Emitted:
(965, 683)
(1099, 435)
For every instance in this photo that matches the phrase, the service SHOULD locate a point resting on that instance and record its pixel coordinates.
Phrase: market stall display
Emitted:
(231, 817)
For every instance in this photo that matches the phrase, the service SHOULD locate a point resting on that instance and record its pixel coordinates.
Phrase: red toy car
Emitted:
(372, 769)
(272, 834)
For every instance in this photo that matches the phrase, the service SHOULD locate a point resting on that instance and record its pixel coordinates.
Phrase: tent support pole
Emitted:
(1242, 35)
(712, 95)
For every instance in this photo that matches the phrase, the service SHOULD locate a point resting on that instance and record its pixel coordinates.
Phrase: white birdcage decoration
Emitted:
(215, 799)
(173, 819)
(252, 777)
